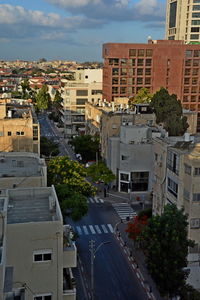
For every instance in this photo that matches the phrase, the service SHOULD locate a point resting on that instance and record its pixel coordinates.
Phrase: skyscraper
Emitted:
(183, 20)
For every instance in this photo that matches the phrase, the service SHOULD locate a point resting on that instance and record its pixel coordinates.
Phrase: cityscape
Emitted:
(100, 150)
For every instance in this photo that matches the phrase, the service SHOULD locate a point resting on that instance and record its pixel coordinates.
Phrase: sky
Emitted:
(75, 29)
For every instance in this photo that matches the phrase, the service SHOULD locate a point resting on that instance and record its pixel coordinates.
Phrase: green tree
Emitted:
(71, 202)
(43, 98)
(87, 146)
(166, 246)
(168, 111)
(143, 96)
(62, 170)
(48, 147)
(100, 172)
(25, 88)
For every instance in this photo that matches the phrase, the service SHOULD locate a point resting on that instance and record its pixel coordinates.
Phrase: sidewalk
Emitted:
(135, 256)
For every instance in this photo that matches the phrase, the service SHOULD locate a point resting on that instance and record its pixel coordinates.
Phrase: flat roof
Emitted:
(29, 205)
(19, 166)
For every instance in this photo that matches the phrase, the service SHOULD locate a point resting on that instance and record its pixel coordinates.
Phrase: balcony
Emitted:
(69, 248)
(69, 286)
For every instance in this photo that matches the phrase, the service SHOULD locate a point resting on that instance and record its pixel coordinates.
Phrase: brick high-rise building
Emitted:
(164, 63)
(183, 20)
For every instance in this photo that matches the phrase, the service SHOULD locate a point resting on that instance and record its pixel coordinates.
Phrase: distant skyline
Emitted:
(75, 29)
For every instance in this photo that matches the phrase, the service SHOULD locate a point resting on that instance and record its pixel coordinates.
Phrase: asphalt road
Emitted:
(114, 278)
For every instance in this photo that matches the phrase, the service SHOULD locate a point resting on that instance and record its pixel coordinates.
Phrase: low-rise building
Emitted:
(22, 169)
(37, 252)
(19, 128)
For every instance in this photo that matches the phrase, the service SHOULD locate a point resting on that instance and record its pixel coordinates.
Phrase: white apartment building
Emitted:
(37, 253)
(183, 20)
(75, 94)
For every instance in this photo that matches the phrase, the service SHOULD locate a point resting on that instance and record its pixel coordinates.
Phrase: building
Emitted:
(37, 253)
(183, 20)
(22, 169)
(130, 159)
(176, 179)
(75, 94)
(130, 67)
(19, 128)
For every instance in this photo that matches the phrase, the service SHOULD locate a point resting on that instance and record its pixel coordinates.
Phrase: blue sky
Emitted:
(75, 29)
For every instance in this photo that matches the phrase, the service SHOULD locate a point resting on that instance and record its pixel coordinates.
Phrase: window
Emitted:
(195, 223)
(132, 52)
(122, 90)
(114, 61)
(1, 133)
(115, 71)
(194, 80)
(123, 71)
(35, 133)
(195, 29)
(132, 62)
(172, 14)
(194, 36)
(96, 92)
(81, 101)
(148, 80)
(9, 133)
(194, 90)
(139, 71)
(124, 177)
(131, 81)
(195, 22)
(42, 255)
(196, 171)
(186, 194)
(186, 80)
(196, 197)
(188, 62)
(188, 53)
(196, 7)
(196, 15)
(172, 187)
(141, 52)
(82, 93)
(188, 169)
(123, 61)
(139, 181)
(149, 52)
(173, 162)
(148, 62)
(124, 157)
(19, 132)
(115, 80)
(187, 72)
(123, 80)
(114, 90)
(43, 297)
(140, 62)
(147, 72)
(195, 71)
(186, 90)
(139, 80)
(131, 72)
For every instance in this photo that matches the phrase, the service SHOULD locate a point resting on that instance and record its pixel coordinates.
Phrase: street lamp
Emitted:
(93, 251)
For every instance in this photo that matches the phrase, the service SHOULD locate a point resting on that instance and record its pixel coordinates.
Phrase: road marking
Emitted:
(85, 230)
(97, 229)
(91, 200)
(79, 230)
(110, 227)
(101, 200)
(104, 228)
(92, 229)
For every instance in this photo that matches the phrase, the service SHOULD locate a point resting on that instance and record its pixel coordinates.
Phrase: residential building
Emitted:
(19, 127)
(75, 94)
(176, 179)
(130, 159)
(37, 253)
(183, 20)
(130, 67)
(22, 169)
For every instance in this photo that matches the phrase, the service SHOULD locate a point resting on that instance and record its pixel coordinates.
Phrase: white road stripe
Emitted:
(101, 200)
(79, 230)
(92, 229)
(85, 230)
(104, 228)
(110, 227)
(91, 200)
(97, 229)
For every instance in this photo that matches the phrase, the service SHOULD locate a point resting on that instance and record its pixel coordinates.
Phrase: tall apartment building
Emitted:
(163, 63)
(19, 128)
(183, 20)
(37, 253)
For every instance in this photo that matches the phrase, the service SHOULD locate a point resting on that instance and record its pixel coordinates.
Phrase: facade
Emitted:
(130, 67)
(37, 252)
(183, 20)
(130, 159)
(22, 169)
(176, 179)
(75, 94)
(19, 128)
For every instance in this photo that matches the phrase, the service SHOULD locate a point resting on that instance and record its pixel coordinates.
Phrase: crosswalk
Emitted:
(95, 200)
(124, 210)
(93, 229)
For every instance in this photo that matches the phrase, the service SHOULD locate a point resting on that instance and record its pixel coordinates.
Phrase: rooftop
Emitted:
(20, 165)
(31, 205)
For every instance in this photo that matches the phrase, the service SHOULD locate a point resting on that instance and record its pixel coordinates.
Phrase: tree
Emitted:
(135, 228)
(62, 170)
(57, 98)
(166, 246)
(87, 146)
(71, 202)
(43, 98)
(143, 96)
(48, 147)
(25, 88)
(168, 111)
(100, 172)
